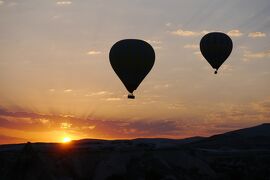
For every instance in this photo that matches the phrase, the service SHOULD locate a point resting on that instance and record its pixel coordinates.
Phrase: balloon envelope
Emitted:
(132, 60)
(216, 47)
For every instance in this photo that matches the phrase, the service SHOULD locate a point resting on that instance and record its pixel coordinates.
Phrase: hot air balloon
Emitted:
(216, 47)
(132, 60)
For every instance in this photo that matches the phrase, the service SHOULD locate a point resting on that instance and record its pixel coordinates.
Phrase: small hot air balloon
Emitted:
(216, 47)
(132, 60)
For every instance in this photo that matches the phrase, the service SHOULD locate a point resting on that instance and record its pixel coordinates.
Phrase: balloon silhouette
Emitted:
(216, 47)
(132, 60)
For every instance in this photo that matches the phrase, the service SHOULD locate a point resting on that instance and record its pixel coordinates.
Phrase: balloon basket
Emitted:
(131, 96)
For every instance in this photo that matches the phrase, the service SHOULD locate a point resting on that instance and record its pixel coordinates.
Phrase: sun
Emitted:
(66, 140)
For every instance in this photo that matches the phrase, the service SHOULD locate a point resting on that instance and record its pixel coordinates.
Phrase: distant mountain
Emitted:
(262, 130)
(156, 143)
(241, 154)
(257, 137)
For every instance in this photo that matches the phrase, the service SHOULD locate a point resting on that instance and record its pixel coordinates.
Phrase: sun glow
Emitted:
(66, 140)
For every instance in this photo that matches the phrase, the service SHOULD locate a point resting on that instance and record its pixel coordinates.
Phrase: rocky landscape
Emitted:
(242, 154)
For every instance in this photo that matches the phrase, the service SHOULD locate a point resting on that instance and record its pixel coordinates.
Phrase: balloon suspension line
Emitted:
(131, 96)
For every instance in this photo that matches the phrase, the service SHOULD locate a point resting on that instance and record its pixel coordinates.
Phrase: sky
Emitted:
(56, 80)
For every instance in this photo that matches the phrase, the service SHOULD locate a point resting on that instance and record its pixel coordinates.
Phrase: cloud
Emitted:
(8, 4)
(100, 93)
(251, 113)
(63, 3)
(168, 24)
(28, 121)
(262, 107)
(88, 127)
(235, 33)
(34, 122)
(65, 125)
(152, 128)
(135, 129)
(113, 99)
(191, 46)
(11, 140)
(91, 127)
(162, 86)
(157, 47)
(94, 52)
(52, 90)
(25, 124)
(4, 112)
(188, 33)
(243, 47)
(210, 123)
(199, 55)
(227, 68)
(196, 49)
(185, 33)
(68, 90)
(176, 106)
(256, 34)
(248, 55)
(156, 42)
(55, 17)
(44, 120)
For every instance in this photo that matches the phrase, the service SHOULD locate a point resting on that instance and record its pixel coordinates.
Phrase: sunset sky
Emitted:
(56, 80)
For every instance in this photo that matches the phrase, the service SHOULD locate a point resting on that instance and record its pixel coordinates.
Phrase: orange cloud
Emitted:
(227, 117)
(10, 139)
(256, 34)
(94, 52)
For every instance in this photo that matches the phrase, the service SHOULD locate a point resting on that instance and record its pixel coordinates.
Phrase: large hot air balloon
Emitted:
(132, 60)
(216, 47)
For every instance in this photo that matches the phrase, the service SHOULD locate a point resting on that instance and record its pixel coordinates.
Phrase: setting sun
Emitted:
(66, 140)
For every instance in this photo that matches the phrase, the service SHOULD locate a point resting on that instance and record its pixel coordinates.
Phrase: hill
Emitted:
(240, 154)
(257, 137)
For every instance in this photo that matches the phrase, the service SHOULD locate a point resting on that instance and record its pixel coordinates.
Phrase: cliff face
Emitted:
(217, 157)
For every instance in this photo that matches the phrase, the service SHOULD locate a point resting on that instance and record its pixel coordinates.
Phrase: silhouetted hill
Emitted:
(262, 130)
(257, 137)
(134, 143)
(241, 154)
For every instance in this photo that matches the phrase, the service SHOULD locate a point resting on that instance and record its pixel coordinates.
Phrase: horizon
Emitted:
(62, 141)
(132, 139)
(56, 80)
